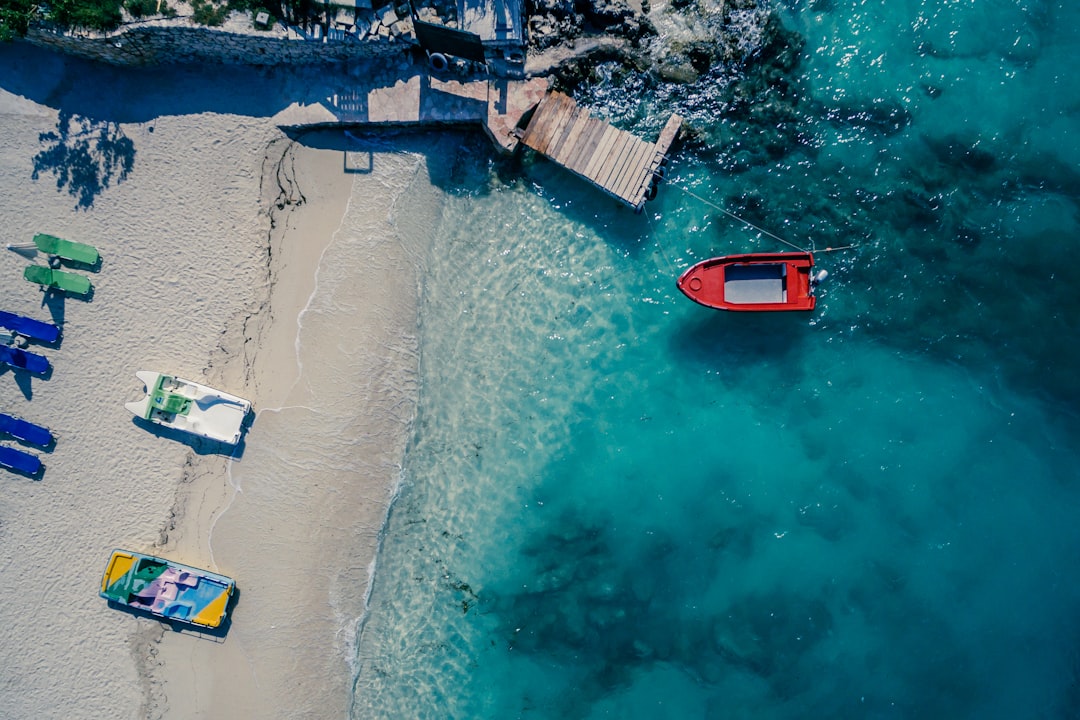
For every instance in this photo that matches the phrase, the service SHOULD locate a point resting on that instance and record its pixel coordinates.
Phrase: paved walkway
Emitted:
(420, 98)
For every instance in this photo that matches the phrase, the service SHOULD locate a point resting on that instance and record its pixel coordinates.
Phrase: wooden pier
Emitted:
(619, 163)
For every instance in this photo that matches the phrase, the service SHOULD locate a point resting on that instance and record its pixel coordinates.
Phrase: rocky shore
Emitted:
(677, 40)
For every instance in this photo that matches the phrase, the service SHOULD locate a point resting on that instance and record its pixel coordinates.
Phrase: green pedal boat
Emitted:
(59, 279)
(67, 249)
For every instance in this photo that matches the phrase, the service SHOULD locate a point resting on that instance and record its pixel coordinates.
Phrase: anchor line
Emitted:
(745, 222)
(659, 246)
(762, 230)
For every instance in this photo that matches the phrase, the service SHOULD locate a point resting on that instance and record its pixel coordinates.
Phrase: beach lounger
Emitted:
(18, 460)
(34, 329)
(67, 249)
(59, 279)
(23, 360)
(25, 430)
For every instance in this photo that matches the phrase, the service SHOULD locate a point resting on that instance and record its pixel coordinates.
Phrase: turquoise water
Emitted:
(620, 504)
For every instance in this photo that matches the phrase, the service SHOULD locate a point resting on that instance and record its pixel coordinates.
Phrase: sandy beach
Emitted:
(225, 252)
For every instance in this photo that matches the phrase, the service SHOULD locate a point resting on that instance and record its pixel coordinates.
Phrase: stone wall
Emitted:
(178, 40)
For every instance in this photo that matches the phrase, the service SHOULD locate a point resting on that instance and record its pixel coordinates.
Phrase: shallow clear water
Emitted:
(620, 504)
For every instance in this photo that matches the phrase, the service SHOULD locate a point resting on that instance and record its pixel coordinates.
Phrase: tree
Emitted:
(15, 17)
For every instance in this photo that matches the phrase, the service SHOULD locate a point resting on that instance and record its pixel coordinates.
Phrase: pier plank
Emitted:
(638, 187)
(603, 155)
(630, 169)
(566, 148)
(610, 135)
(562, 132)
(617, 162)
(556, 130)
(590, 138)
(545, 113)
(638, 172)
(533, 128)
(601, 146)
(551, 119)
(631, 173)
(614, 159)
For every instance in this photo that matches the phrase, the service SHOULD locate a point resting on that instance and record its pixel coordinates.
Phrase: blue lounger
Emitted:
(23, 360)
(18, 460)
(31, 328)
(25, 430)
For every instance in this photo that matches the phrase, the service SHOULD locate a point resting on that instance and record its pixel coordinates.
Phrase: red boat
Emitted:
(755, 282)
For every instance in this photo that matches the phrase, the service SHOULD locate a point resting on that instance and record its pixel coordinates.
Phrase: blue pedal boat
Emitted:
(23, 360)
(31, 328)
(18, 460)
(25, 430)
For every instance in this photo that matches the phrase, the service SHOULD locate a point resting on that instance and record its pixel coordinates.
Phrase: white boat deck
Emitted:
(752, 284)
(206, 412)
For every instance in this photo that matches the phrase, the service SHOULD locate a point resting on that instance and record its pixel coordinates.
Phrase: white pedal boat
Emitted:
(191, 407)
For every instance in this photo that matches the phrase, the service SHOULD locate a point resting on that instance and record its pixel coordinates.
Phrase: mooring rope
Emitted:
(659, 246)
(710, 203)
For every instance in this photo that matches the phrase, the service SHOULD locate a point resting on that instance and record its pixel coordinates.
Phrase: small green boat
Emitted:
(67, 249)
(59, 279)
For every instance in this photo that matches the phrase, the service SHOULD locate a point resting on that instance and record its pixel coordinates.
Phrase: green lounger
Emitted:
(75, 251)
(66, 281)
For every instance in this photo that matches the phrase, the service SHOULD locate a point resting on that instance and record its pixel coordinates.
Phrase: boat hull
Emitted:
(170, 590)
(754, 282)
(190, 407)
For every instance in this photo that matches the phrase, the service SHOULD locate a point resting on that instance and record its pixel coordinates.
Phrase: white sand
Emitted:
(195, 281)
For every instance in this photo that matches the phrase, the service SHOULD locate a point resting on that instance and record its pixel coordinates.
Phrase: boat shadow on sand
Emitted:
(182, 628)
(201, 445)
(55, 297)
(24, 378)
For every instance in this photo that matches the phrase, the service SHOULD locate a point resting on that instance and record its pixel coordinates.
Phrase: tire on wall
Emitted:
(438, 62)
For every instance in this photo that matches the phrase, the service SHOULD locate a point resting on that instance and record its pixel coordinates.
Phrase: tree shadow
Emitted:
(85, 155)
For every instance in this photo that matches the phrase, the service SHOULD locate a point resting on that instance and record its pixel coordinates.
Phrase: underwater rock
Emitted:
(677, 72)
(963, 154)
(967, 238)
(553, 23)
(554, 8)
(606, 13)
(921, 209)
